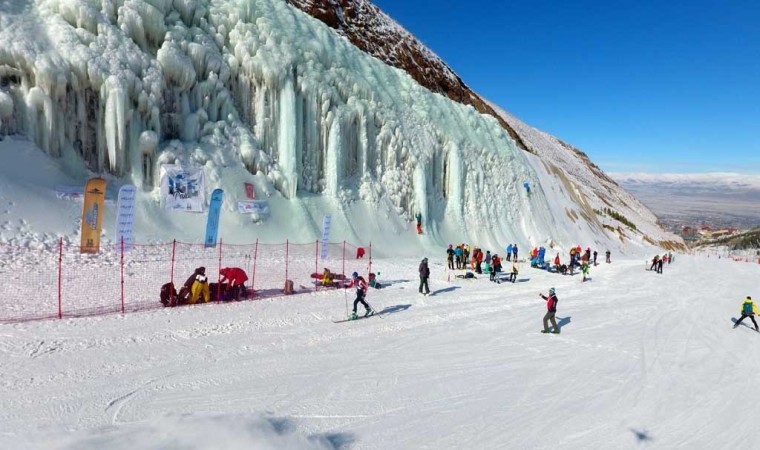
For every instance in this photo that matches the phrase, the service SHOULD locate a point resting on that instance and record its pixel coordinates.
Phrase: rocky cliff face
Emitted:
(376, 33)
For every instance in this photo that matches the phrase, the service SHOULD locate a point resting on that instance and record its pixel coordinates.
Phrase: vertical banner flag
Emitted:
(125, 215)
(92, 215)
(250, 193)
(182, 188)
(326, 222)
(214, 210)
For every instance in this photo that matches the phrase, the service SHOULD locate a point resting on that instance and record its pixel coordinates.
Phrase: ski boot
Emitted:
(353, 316)
(555, 331)
(369, 313)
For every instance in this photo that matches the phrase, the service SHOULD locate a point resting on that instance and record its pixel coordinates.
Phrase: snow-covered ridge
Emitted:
(260, 92)
(717, 180)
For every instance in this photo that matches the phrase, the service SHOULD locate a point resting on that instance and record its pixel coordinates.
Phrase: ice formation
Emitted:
(127, 85)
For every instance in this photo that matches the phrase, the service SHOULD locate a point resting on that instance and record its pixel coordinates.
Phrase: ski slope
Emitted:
(643, 361)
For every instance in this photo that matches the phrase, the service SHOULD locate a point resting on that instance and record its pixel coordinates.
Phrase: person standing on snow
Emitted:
(361, 292)
(514, 252)
(556, 262)
(419, 223)
(748, 310)
(424, 275)
(595, 257)
(551, 306)
(509, 252)
(607, 257)
(450, 256)
(458, 253)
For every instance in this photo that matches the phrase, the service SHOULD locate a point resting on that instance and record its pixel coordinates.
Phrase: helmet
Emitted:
(551, 290)
(749, 298)
(201, 270)
(355, 274)
(449, 245)
(424, 259)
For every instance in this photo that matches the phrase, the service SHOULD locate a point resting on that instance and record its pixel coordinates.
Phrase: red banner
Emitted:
(249, 192)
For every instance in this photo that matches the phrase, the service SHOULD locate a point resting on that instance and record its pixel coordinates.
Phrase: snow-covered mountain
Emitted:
(260, 92)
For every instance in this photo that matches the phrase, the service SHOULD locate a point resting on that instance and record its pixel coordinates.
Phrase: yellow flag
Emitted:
(92, 215)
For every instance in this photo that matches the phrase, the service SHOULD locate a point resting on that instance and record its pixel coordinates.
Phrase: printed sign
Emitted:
(92, 215)
(214, 211)
(182, 188)
(326, 223)
(125, 215)
(260, 207)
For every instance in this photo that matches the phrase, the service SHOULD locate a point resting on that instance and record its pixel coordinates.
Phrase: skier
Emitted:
(654, 263)
(488, 256)
(659, 266)
(419, 223)
(595, 257)
(584, 271)
(607, 257)
(458, 253)
(556, 262)
(496, 261)
(236, 279)
(513, 274)
(509, 252)
(361, 292)
(551, 307)
(424, 275)
(514, 252)
(450, 256)
(748, 310)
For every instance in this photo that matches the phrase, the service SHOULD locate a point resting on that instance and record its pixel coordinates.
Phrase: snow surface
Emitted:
(643, 360)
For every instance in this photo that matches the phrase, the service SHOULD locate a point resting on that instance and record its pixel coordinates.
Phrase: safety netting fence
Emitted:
(56, 281)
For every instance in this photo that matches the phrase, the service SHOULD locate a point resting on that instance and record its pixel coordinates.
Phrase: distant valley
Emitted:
(718, 200)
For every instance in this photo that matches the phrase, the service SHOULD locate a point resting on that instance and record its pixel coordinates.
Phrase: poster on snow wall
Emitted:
(182, 188)
(326, 223)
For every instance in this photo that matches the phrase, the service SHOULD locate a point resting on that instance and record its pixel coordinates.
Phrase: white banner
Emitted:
(260, 207)
(182, 188)
(326, 223)
(125, 215)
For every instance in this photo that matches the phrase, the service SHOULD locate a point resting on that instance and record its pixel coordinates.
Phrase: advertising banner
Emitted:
(92, 215)
(260, 207)
(125, 215)
(250, 192)
(182, 188)
(326, 222)
(214, 211)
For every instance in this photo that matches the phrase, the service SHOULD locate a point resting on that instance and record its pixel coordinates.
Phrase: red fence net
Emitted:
(57, 281)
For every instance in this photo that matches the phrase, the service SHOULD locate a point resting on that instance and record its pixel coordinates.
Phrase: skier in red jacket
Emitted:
(361, 291)
(235, 278)
(551, 306)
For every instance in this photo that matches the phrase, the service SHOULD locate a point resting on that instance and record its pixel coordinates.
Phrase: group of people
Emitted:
(197, 287)
(658, 261)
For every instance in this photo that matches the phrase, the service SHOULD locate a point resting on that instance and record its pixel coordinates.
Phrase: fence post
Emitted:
(60, 278)
(286, 262)
(219, 275)
(253, 276)
(174, 251)
(316, 265)
(122, 274)
(344, 262)
(370, 260)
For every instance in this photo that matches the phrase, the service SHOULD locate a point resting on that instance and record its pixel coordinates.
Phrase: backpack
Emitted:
(168, 295)
(747, 308)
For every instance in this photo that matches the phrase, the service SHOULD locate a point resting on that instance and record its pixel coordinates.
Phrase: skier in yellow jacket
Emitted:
(748, 310)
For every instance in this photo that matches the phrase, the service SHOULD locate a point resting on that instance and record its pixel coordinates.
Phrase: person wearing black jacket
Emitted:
(551, 306)
(424, 275)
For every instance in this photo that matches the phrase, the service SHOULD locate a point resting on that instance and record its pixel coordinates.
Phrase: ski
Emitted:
(357, 318)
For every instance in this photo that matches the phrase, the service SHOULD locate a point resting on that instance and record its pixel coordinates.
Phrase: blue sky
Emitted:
(644, 86)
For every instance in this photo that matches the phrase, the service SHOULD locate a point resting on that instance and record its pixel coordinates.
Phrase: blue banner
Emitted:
(125, 215)
(214, 210)
(326, 223)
